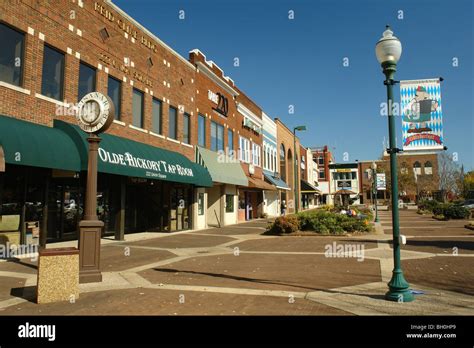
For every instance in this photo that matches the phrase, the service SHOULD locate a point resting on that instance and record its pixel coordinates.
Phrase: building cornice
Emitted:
(203, 68)
(149, 33)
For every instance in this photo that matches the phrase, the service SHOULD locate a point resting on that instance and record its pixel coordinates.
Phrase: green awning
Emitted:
(306, 187)
(126, 157)
(30, 144)
(222, 168)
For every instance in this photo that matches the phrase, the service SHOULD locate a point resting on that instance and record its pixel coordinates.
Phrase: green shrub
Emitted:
(456, 212)
(440, 217)
(440, 208)
(321, 221)
(451, 211)
(284, 224)
(428, 205)
(324, 222)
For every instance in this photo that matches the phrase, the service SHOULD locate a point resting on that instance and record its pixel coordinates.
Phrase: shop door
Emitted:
(179, 212)
(65, 209)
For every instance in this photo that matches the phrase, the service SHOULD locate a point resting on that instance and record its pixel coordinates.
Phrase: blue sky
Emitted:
(300, 62)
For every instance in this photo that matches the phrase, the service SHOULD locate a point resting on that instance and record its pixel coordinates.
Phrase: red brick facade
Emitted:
(75, 31)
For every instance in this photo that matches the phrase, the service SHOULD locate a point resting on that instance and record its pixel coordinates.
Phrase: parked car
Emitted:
(469, 204)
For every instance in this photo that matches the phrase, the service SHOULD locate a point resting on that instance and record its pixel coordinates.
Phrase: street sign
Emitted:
(381, 183)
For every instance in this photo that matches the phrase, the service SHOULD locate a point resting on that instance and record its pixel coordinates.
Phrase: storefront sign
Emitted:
(155, 169)
(221, 102)
(343, 170)
(422, 116)
(344, 184)
(132, 73)
(247, 123)
(124, 26)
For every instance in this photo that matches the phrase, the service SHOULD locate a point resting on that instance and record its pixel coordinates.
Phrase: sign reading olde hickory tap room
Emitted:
(95, 114)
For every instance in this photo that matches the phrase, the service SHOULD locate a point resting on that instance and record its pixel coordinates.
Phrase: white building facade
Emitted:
(344, 184)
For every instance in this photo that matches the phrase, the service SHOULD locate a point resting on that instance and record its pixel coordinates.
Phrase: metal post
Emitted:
(398, 286)
(43, 236)
(295, 166)
(374, 175)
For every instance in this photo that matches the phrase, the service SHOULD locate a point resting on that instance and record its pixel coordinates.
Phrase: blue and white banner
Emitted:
(422, 115)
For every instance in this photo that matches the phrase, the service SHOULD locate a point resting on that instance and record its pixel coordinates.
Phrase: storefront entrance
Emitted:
(157, 206)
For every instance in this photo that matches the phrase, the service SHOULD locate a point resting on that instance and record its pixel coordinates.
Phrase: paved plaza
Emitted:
(236, 270)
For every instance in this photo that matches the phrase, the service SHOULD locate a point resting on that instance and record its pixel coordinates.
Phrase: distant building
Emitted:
(418, 177)
(323, 157)
(309, 191)
(344, 183)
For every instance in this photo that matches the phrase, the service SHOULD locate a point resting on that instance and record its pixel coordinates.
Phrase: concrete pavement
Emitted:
(237, 270)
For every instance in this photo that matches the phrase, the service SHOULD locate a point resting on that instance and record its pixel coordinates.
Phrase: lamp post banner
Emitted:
(381, 182)
(422, 115)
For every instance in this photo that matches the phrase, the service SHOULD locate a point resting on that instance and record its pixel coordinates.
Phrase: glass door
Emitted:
(179, 212)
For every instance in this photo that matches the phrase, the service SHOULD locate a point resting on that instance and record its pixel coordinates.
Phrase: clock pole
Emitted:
(90, 227)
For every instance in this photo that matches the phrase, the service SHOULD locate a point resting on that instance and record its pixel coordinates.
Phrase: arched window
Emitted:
(417, 168)
(282, 162)
(428, 168)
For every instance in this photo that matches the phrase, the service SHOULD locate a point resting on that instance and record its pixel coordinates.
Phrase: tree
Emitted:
(406, 179)
(450, 176)
(468, 184)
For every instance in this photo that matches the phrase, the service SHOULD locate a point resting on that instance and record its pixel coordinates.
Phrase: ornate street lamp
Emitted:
(374, 189)
(297, 198)
(388, 51)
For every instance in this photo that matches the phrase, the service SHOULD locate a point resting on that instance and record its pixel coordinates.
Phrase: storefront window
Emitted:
(86, 80)
(256, 154)
(229, 203)
(11, 55)
(230, 142)
(201, 131)
(282, 163)
(244, 149)
(217, 137)
(157, 110)
(53, 73)
(201, 204)
(186, 128)
(172, 123)
(137, 108)
(114, 90)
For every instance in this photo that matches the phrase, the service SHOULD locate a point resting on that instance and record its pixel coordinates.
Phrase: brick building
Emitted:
(186, 113)
(286, 162)
(53, 54)
(418, 177)
(323, 157)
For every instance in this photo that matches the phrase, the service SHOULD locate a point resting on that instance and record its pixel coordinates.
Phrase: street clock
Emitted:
(95, 112)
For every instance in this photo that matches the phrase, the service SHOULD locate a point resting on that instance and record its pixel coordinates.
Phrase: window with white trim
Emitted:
(256, 155)
(244, 150)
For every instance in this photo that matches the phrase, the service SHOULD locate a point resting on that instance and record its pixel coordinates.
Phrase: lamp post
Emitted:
(374, 189)
(388, 51)
(297, 197)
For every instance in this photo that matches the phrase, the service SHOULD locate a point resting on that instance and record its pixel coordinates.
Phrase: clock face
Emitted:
(91, 111)
(95, 112)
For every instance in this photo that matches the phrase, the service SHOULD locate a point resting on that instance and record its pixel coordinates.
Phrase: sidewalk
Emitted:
(235, 270)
